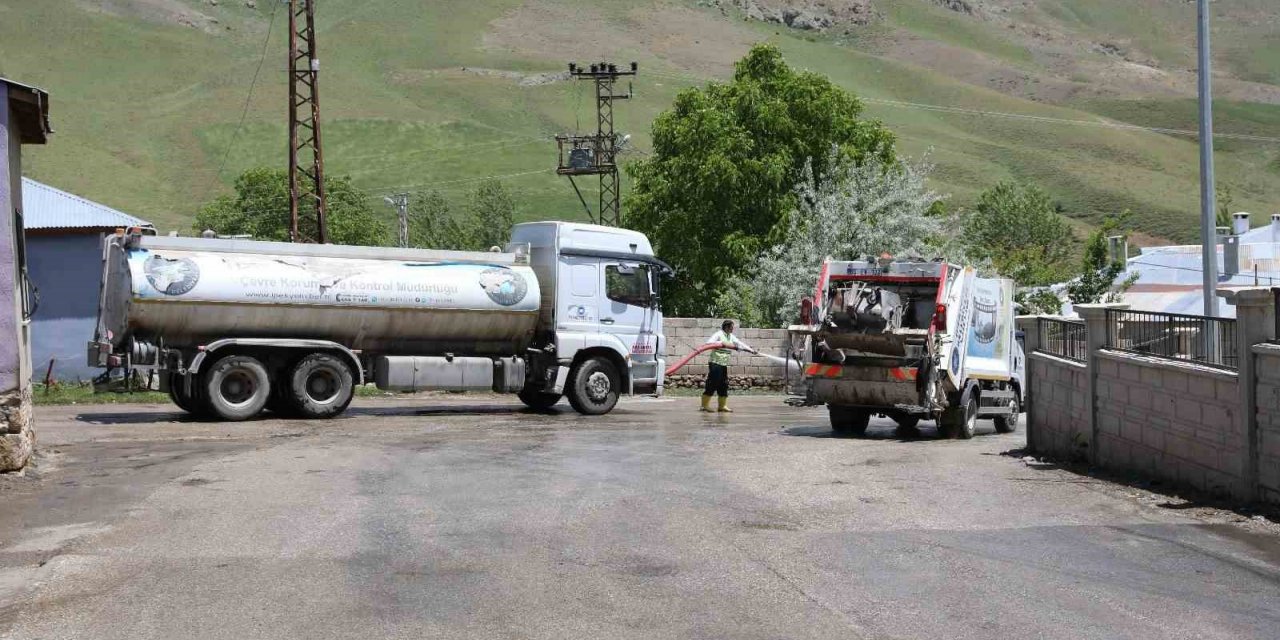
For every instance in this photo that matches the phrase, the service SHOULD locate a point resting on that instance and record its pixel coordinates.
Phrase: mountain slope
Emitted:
(147, 94)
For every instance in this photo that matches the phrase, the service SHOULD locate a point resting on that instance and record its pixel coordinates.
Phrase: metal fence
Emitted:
(1063, 338)
(1199, 339)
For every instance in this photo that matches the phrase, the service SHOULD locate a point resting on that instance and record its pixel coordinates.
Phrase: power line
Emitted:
(244, 112)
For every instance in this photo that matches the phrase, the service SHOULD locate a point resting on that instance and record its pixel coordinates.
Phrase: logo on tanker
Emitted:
(503, 286)
(171, 277)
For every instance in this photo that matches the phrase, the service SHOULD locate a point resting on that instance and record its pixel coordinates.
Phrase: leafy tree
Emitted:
(1041, 301)
(432, 224)
(260, 208)
(726, 159)
(490, 212)
(855, 210)
(1015, 227)
(1096, 281)
(1226, 202)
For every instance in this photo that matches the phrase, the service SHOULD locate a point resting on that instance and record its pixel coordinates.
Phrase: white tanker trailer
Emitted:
(236, 326)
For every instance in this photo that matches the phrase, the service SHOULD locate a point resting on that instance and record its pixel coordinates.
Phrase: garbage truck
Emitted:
(909, 340)
(232, 327)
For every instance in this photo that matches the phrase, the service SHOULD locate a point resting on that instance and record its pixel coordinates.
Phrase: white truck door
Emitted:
(628, 309)
(578, 315)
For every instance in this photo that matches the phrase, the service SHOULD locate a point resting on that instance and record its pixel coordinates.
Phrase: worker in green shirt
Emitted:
(718, 369)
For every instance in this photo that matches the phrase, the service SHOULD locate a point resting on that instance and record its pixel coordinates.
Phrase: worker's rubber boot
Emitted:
(706, 404)
(724, 404)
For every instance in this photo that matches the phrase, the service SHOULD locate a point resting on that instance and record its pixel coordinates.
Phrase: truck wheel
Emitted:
(906, 422)
(320, 386)
(969, 418)
(593, 387)
(848, 421)
(181, 398)
(236, 387)
(1009, 423)
(539, 400)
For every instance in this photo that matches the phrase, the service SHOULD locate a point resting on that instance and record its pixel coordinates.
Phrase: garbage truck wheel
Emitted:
(540, 400)
(906, 422)
(320, 386)
(593, 387)
(848, 421)
(969, 422)
(236, 387)
(1009, 423)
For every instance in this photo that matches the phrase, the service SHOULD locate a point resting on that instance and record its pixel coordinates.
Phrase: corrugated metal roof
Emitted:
(44, 207)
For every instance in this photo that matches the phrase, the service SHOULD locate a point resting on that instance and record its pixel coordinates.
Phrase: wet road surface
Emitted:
(463, 518)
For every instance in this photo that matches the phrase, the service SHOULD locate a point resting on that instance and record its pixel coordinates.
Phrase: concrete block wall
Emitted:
(686, 334)
(1176, 421)
(1058, 407)
(1268, 406)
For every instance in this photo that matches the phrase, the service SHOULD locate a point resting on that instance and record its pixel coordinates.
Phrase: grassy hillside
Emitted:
(147, 94)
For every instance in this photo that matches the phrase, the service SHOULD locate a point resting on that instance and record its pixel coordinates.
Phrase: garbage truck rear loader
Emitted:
(910, 340)
(233, 327)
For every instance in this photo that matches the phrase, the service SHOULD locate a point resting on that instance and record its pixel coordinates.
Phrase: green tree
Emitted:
(260, 208)
(492, 212)
(855, 211)
(1016, 228)
(1226, 202)
(1096, 281)
(432, 224)
(726, 160)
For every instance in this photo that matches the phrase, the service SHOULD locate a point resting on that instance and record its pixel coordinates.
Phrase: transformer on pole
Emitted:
(307, 204)
(597, 154)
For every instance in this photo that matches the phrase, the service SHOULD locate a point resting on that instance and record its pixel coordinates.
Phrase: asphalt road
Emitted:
(454, 518)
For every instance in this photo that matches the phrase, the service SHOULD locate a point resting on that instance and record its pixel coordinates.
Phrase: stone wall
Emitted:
(1268, 435)
(745, 371)
(1171, 420)
(1058, 406)
(1204, 428)
(17, 439)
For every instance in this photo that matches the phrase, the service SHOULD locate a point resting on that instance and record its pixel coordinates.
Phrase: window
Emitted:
(627, 284)
(583, 278)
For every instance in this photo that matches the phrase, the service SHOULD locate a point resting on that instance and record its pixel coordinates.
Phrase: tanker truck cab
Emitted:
(234, 327)
(600, 306)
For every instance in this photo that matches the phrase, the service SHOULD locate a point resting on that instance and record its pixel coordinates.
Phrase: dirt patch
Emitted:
(694, 41)
(171, 12)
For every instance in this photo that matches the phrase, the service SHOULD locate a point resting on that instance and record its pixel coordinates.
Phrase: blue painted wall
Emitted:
(66, 269)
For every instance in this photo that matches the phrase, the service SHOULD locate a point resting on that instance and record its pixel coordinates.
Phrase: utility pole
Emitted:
(1208, 223)
(306, 161)
(401, 202)
(597, 154)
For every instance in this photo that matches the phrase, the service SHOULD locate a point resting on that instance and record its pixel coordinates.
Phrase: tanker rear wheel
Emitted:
(320, 386)
(189, 402)
(236, 387)
(540, 400)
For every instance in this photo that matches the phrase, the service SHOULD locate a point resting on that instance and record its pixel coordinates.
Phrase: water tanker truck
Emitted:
(233, 327)
(910, 340)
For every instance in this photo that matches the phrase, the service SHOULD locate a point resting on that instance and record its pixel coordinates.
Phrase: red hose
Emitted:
(693, 354)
